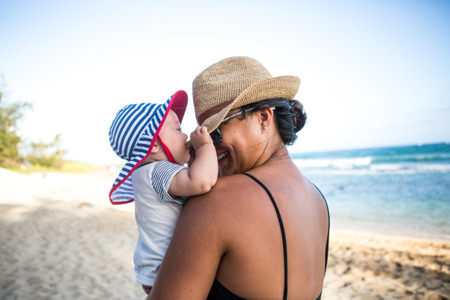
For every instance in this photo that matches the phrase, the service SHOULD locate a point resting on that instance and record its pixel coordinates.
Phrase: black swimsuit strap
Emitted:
(283, 235)
(328, 234)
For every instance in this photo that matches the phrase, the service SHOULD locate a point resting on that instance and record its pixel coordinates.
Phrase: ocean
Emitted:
(393, 190)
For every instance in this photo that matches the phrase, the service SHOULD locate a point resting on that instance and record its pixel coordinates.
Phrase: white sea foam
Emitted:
(410, 168)
(340, 163)
(365, 166)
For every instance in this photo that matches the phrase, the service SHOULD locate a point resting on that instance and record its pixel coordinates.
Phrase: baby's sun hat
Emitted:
(132, 135)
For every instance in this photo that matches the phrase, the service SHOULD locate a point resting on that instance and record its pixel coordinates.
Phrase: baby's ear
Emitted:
(156, 147)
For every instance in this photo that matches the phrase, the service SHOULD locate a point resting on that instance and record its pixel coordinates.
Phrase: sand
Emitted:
(61, 239)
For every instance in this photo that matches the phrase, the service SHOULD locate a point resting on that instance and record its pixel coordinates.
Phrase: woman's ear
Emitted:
(265, 117)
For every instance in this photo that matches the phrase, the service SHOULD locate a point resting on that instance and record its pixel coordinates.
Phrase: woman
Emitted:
(235, 241)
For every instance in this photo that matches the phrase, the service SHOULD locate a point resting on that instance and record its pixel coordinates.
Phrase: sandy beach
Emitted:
(61, 239)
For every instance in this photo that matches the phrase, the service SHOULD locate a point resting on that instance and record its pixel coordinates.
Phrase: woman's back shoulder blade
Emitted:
(228, 190)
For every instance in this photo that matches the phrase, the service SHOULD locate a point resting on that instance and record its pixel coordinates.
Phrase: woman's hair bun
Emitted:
(290, 116)
(298, 114)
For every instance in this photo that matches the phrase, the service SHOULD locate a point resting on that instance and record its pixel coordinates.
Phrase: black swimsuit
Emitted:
(219, 292)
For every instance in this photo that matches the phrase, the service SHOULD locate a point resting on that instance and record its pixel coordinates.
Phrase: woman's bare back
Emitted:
(253, 265)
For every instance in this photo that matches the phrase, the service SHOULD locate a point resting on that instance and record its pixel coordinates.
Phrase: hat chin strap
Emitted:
(168, 153)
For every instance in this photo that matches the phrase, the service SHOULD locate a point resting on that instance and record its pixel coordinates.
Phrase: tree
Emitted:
(10, 114)
(47, 155)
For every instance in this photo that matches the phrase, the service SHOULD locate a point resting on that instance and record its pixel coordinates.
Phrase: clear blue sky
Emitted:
(374, 73)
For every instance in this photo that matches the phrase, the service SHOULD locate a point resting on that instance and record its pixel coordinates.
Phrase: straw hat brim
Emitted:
(285, 87)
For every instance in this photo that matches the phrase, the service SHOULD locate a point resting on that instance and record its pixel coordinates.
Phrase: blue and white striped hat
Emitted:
(132, 135)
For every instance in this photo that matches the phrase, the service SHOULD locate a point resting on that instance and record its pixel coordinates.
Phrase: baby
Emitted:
(155, 176)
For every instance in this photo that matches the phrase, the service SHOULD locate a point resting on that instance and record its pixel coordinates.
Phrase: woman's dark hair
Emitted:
(289, 116)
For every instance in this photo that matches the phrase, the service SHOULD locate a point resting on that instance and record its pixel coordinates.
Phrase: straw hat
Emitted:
(235, 82)
(132, 135)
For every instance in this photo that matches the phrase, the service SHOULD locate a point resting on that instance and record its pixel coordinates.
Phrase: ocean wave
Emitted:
(339, 163)
(410, 168)
(431, 158)
(417, 158)
(365, 166)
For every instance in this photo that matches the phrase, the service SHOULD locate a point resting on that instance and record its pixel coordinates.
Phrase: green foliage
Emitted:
(10, 114)
(47, 155)
(79, 167)
(67, 167)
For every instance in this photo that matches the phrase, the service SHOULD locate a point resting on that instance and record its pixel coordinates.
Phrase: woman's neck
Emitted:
(272, 153)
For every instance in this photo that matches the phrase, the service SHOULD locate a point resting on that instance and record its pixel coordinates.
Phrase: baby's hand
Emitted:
(200, 137)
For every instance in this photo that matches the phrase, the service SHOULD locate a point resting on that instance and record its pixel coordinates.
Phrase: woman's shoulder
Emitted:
(227, 188)
(228, 197)
(231, 183)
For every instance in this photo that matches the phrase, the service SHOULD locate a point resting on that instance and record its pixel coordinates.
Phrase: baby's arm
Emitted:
(201, 176)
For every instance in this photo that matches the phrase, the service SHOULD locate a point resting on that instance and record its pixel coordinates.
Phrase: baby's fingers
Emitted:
(202, 130)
